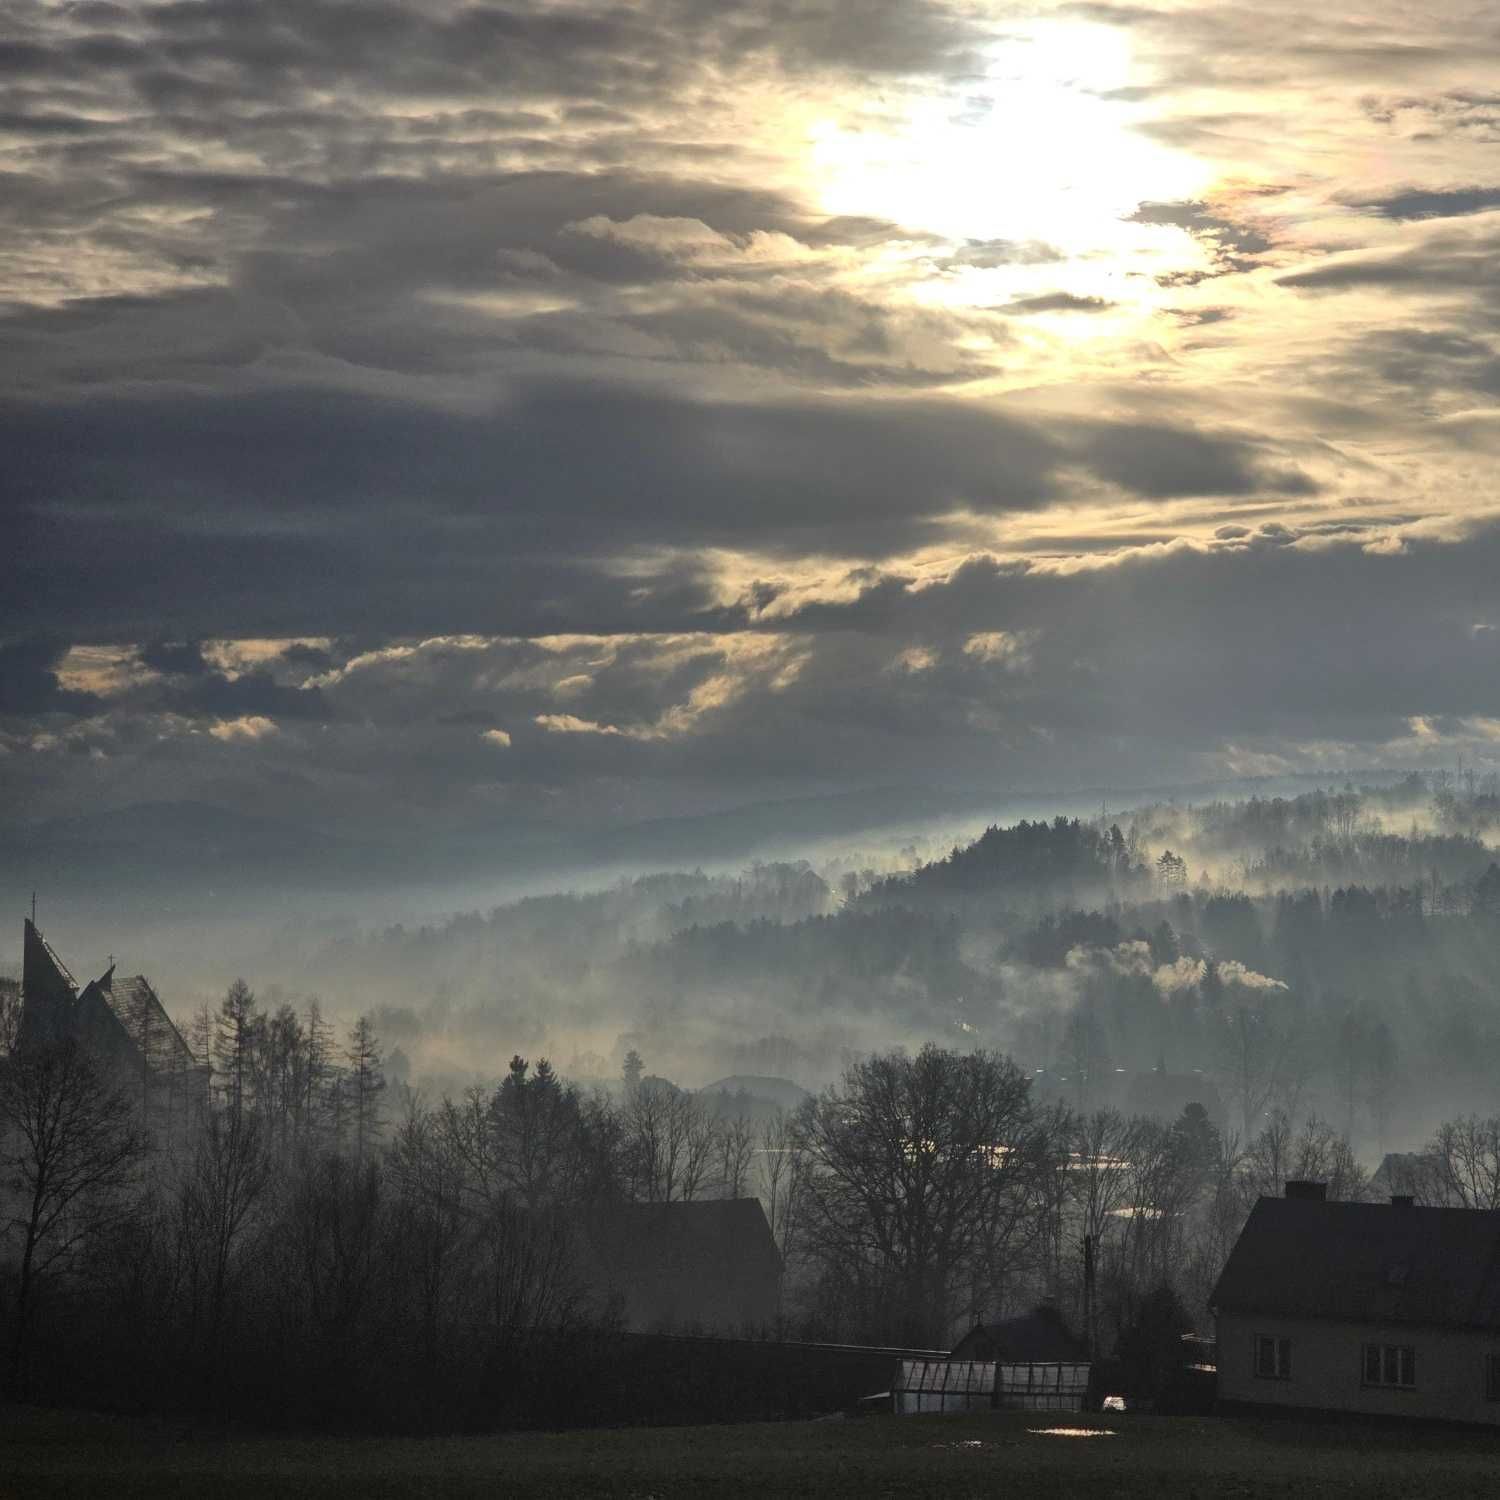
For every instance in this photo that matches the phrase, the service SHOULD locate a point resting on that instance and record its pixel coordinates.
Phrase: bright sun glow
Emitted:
(1036, 150)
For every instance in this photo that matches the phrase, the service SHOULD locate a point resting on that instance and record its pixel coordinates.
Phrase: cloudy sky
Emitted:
(427, 412)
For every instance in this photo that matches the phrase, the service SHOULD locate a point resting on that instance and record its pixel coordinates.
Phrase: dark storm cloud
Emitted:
(202, 51)
(1140, 667)
(309, 658)
(28, 679)
(1234, 245)
(1420, 203)
(1192, 646)
(1162, 462)
(1423, 362)
(252, 693)
(1443, 263)
(296, 513)
(177, 658)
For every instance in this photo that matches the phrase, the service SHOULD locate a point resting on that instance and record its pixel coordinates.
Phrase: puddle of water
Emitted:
(1070, 1432)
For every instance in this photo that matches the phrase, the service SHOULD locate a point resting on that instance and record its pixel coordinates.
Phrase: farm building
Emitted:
(704, 1266)
(1040, 1335)
(1390, 1309)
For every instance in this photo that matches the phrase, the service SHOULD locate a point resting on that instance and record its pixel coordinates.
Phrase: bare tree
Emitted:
(10, 1015)
(1261, 1063)
(1102, 1144)
(334, 1222)
(781, 1161)
(427, 1177)
(656, 1140)
(225, 1179)
(699, 1133)
(1466, 1161)
(1316, 1152)
(70, 1151)
(735, 1142)
(916, 1167)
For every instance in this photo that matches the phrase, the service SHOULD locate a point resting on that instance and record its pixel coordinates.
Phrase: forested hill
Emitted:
(1030, 858)
(1372, 912)
(1259, 845)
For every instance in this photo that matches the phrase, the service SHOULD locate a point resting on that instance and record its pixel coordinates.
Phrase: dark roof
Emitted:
(49, 990)
(1040, 1335)
(1365, 1262)
(118, 1017)
(711, 1233)
(152, 1032)
(710, 1263)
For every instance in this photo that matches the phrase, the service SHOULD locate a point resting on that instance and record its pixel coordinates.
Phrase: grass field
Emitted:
(45, 1453)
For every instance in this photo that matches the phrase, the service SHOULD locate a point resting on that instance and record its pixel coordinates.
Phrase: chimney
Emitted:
(1403, 1200)
(1307, 1192)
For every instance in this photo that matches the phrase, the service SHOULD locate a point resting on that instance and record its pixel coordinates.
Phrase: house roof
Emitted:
(1365, 1263)
(1038, 1335)
(710, 1263)
(709, 1234)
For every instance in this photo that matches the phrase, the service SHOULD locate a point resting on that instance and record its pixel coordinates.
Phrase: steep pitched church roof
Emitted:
(49, 993)
(119, 1018)
(138, 1009)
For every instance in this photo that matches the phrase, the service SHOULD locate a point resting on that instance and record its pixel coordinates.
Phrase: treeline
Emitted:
(448, 1265)
(306, 1247)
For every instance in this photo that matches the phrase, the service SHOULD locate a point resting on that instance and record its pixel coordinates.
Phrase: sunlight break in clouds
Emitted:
(1040, 148)
(674, 371)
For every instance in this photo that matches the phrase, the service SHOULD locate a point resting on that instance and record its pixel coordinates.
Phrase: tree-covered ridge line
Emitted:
(790, 970)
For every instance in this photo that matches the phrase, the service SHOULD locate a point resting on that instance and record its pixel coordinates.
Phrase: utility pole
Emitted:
(1088, 1295)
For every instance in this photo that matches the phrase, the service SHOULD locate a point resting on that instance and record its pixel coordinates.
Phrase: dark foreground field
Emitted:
(51, 1454)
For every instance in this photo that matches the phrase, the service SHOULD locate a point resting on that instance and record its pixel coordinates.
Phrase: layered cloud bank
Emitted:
(595, 411)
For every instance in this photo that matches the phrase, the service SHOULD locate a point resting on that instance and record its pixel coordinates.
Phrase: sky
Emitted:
(444, 415)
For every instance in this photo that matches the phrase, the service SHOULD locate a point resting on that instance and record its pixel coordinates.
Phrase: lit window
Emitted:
(1273, 1358)
(1389, 1365)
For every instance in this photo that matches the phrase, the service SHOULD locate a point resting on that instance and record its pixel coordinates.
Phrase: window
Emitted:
(1390, 1365)
(1492, 1377)
(1273, 1358)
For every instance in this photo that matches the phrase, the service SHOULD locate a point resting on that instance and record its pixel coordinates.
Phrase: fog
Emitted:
(1349, 918)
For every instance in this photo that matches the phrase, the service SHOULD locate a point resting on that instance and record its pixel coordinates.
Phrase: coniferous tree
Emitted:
(234, 1043)
(365, 1085)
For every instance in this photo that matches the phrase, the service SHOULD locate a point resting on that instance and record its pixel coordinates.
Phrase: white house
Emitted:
(1389, 1309)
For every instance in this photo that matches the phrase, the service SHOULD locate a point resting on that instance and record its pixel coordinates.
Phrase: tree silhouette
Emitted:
(70, 1147)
